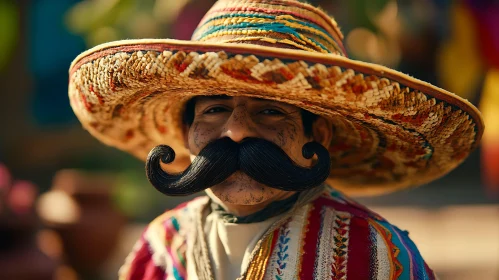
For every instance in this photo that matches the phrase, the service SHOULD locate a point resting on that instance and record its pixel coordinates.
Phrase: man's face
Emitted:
(239, 118)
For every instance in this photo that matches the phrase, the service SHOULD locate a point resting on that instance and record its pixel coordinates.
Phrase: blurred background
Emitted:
(71, 208)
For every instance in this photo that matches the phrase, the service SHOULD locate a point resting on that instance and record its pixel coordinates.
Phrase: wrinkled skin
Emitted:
(242, 117)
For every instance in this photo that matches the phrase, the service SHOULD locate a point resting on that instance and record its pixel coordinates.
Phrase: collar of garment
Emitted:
(275, 208)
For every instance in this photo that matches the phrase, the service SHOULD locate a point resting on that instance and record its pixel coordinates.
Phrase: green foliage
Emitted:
(9, 30)
(100, 21)
(362, 12)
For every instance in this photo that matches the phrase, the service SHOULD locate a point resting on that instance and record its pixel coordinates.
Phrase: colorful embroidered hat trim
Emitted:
(391, 131)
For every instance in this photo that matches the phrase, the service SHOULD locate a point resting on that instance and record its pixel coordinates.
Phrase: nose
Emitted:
(239, 125)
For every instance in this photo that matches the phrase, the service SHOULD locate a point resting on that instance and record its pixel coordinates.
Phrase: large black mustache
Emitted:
(260, 159)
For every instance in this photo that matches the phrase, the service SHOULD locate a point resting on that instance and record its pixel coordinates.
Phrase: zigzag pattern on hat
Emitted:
(385, 134)
(390, 130)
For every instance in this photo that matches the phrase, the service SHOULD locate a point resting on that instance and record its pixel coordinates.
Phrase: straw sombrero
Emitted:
(391, 131)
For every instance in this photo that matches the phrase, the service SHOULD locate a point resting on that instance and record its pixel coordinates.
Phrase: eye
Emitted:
(272, 112)
(214, 110)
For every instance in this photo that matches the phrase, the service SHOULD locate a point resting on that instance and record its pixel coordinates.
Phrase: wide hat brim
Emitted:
(391, 131)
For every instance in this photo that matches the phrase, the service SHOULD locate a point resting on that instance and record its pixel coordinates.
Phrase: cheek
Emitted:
(199, 136)
(291, 139)
(295, 152)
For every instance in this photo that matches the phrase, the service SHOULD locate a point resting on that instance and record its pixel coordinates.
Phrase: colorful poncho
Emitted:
(330, 237)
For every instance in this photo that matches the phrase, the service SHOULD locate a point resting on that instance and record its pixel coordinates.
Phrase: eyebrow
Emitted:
(208, 98)
(226, 97)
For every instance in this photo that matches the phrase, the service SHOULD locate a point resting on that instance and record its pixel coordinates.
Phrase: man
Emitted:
(276, 120)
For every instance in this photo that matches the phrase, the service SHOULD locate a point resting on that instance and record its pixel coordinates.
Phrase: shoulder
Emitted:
(173, 222)
(182, 215)
(150, 258)
(374, 244)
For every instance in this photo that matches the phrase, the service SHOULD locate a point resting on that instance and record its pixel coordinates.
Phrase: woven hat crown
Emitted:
(277, 23)
(391, 131)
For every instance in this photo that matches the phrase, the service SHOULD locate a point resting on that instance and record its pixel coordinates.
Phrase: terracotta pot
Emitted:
(91, 234)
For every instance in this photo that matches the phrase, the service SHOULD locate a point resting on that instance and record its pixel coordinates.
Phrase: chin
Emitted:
(240, 189)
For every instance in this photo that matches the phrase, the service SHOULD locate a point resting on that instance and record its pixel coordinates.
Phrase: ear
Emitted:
(185, 135)
(322, 130)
